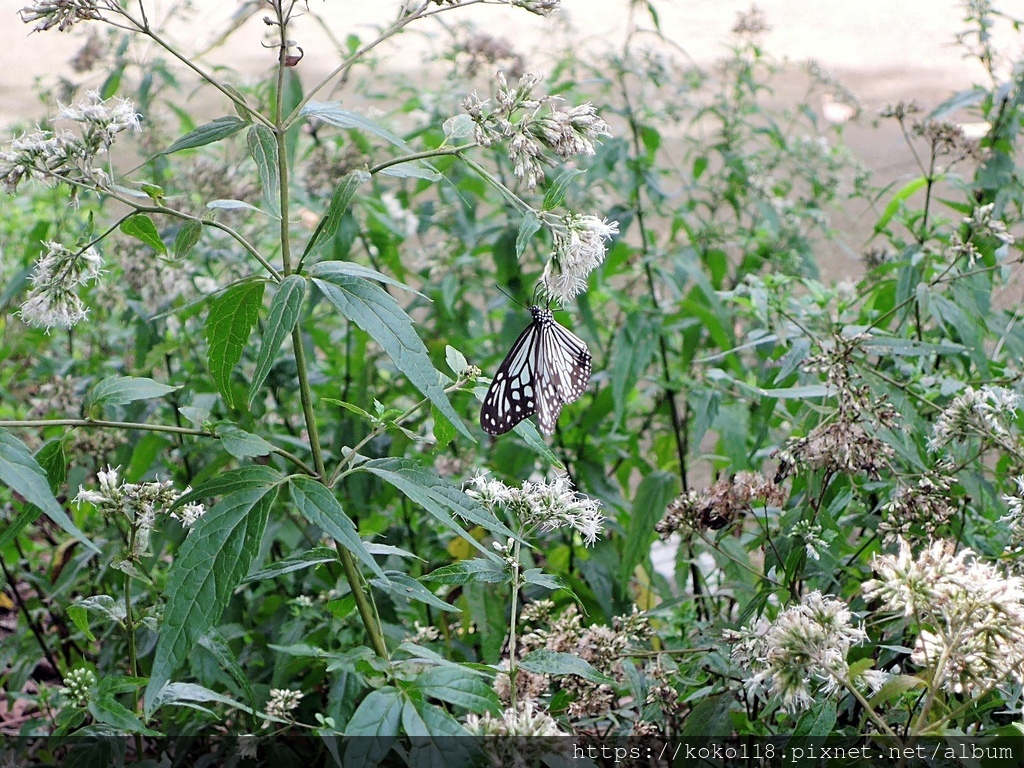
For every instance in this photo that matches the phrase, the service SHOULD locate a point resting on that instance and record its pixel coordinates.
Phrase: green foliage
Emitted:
(306, 527)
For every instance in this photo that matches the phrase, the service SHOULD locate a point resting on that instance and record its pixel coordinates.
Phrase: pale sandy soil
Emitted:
(883, 50)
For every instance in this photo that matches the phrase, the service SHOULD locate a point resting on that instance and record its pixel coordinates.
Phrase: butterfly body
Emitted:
(547, 367)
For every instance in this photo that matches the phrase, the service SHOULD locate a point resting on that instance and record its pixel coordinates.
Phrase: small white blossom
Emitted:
(282, 703)
(579, 250)
(53, 299)
(547, 506)
(988, 413)
(802, 653)
(983, 223)
(969, 614)
(59, 13)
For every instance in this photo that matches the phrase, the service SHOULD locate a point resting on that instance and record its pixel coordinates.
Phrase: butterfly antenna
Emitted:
(510, 296)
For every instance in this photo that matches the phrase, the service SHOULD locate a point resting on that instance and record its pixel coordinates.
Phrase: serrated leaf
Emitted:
(187, 238)
(443, 430)
(438, 497)
(20, 472)
(119, 390)
(430, 730)
(309, 559)
(281, 321)
(545, 662)
(373, 727)
(538, 578)
(340, 201)
(556, 192)
(458, 686)
(263, 150)
(373, 310)
(105, 605)
(187, 694)
(228, 325)
(213, 560)
(329, 269)
(464, 571)
(242, 444)
(398, 584)
(213, 131)
(108, 711)
(318, 505)
(142, 228)
(527, 229)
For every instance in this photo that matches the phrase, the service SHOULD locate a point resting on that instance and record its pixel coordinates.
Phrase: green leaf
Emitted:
(556, 192)
(329, 269)
(340, 201)
(189, 694)
(375, 722)
(187, 238)
(464, 571)
(897, 201)
(263, 150)
(108, 711)
(141, 227)
(332, 113)
(431, 729)
(213, 560)
(309, 559)
(414, 169)
(242, 444)
(318, 505)
(459, 126)
(456, 360)
(231, 319)
(444, 431)
(438, 497)
(545, 662)
(20, 472)
(284, 315)
(373, 310)
(652, 497)
(119, 390)
(213, 131)
(816, 722)
(458, 686)
(234, 205)
(400, 585)
(105, 605)
(528, 227)
(538, 578)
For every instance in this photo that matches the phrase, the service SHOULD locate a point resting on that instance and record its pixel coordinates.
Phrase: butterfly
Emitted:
(547, 367)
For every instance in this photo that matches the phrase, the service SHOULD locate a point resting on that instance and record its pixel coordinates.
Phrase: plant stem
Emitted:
(513, 667)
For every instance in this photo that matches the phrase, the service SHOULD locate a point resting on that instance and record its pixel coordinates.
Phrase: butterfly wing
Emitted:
(563, 372)
(512, 395)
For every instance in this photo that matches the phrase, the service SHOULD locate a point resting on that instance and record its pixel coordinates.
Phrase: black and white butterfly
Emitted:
(546, 368)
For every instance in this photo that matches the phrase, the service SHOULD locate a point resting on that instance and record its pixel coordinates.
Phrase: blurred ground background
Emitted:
(883, 50)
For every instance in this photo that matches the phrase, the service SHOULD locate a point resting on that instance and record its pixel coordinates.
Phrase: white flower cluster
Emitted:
(970, 615)
(579, 250)
(988, 413)
(564, 132)
(803, 652)
(282, 702)
(63, 155)
(60, 13)
(139, 503)
(53, 299)
(544, 505)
